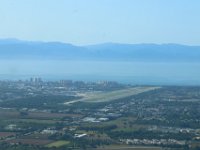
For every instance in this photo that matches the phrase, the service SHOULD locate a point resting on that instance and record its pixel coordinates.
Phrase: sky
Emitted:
(84, 22)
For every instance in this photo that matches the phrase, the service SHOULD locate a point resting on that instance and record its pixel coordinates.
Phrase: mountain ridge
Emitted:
(19, 49)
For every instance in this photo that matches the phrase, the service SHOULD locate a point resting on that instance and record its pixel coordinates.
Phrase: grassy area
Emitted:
(58, 144)
(31, 141)
(6, 134)
(125, 124)
(4, 114)
(15, 114)
(37, 121)
(38, 136)
(195, 144)
(126, 147)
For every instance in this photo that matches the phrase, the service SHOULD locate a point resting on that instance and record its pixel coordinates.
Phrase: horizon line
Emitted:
(99, 43)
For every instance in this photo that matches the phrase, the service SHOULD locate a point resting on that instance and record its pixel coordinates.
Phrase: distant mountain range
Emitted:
(16, 49)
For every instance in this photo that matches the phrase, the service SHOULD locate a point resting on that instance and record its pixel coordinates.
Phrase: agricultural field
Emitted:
(6, 134)
(125, 147)
(30, 141)
(58, 144)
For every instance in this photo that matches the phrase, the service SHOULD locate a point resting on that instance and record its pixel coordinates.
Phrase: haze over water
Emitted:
(169, 73)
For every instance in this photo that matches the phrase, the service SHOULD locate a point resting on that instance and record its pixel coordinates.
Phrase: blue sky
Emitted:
(84, 22)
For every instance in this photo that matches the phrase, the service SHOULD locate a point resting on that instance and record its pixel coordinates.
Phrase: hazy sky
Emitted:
(95, 21)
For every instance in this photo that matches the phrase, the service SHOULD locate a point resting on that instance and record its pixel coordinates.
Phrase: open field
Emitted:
(125, 147)
(6, 134)
(31, 141)
(47, 115)
(6, 113)
(15, 114)
(36, 136)
(35, 119)
(58, 144)
(97, 97)
(39, 121)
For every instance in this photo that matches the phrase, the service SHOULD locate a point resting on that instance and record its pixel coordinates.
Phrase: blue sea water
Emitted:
(158, 73)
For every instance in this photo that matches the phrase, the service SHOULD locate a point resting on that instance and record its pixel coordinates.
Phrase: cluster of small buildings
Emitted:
(95, 120)
(153, 141)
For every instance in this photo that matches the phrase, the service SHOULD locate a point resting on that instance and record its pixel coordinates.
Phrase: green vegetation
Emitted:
(127, 118)
(125, 147)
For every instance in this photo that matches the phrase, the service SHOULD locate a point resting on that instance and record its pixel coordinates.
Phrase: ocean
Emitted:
(145, 73)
